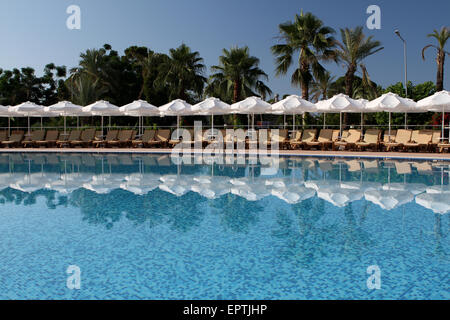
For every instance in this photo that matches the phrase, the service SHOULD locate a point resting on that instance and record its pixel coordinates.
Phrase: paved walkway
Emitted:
(347, 154)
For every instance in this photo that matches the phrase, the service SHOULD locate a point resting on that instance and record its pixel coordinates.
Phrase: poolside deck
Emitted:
(313, 153)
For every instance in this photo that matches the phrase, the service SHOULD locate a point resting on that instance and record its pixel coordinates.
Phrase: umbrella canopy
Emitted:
(212, 106)
(177, 108)
(65, 108)
(391, 102)
(293, 193)
(438, 102)
(338, 104)
(102, 108)
(292, 105)
(251, 106)
(140, 183)
(30, 109)
(140, 108)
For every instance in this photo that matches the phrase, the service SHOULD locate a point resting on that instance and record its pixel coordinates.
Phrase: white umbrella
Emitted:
(391, 102)
(141, 183)
(140, 108)
(440, 101)
(251, 106)
(104, 183)
(292, 105)
(338, 104)
(102, 108)
(7, 112)
(28, 109)
(65, 108)
(177, 185)
(177, 108)
(211, 187)
(364, 102)
(293, 193)
(212, 106)
(388, 199)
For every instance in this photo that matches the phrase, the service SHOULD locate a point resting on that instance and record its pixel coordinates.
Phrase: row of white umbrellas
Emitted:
(339, 193)
(292, 105)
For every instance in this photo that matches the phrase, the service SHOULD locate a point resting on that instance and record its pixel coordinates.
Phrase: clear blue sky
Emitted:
(34, 33)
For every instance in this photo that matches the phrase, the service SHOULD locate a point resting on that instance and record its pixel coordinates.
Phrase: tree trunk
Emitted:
(349, 77)
(440, 70)
(304, 68)
(236, 94)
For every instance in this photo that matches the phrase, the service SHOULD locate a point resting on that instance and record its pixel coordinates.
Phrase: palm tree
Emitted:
(237, 76)
(441, 36)
(322, 87)
(353, 49)
(314, 42)
(183, 73)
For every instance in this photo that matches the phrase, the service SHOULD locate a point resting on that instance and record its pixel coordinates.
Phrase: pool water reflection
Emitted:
(139, 226)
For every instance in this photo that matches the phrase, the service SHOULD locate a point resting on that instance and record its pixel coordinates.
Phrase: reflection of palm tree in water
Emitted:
(18, 197)
(314, 239)
(237, 214)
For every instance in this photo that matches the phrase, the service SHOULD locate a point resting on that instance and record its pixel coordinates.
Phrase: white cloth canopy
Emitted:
(292, 105)
(177, 108)
(102, 108)
(251, 106)
(391, 102)
(438, 102)
(65, 108)
(212, 106)
(140, 109)
(30, 109)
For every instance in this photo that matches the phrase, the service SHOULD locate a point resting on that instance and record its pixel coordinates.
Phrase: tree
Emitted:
(237, 76)
(322, 87)
(182, 73)
(353, 49)
(441, 36)
(314, 42)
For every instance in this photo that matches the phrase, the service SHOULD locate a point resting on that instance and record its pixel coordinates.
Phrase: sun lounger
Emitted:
(403, 136)
(3, 135)
(161, 139)
(14, 140)
(349, 142)
(420, 139)
(64, 139)
(371, 140)
(149, 135)
(110, 136)
(123, 139)
(36, 135)
(87, 137)
(325, 138)
(281, 138)
(296, 137)
(403, 167)
(307, 136)
(50, 139)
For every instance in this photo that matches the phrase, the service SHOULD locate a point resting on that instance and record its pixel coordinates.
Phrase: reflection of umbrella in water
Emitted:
(140, 183)
(293, 193)
(249, 188)
(388, 199)
(211, 187)
(337, 195)
(177, 185)
(437, 202)
(104, 183)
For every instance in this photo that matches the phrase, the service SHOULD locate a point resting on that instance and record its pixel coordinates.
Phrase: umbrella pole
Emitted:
(406, 120)
(212, 124)
(293, 122)
(324, 120)
(29, 125)
(102, 127)
(9, 126)
(284, 122)
(443, 124)
(64, 125)
(362, 121)
(340, 124)
(41, 123)
(389, 126)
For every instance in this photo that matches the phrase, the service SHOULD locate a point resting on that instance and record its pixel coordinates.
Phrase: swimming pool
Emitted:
(140, 227)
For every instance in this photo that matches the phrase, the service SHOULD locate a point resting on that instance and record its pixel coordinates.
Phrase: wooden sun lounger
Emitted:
(124, 138)
(87, 137)
(3, 135)
(403, 136)
(307, 136)
(296, 137)
(50, 139)
(354, 136)
(420, 139)
(371, 140)
(161, 139)
(435, 141)
(281, 138)
(64, 140)
(14, 140)
(36, 135)
(110, 136)
(149, 135)
(324, 139)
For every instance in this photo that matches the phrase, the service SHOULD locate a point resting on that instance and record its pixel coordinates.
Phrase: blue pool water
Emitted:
(141, 227)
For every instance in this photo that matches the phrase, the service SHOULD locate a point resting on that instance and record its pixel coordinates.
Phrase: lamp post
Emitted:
(406, 70)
